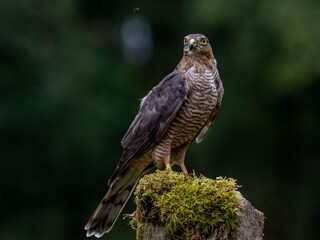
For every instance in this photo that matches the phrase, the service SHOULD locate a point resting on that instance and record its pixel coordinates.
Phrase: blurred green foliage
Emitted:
(68, 94)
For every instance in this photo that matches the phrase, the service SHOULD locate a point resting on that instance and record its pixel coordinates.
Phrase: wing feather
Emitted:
(157, 110)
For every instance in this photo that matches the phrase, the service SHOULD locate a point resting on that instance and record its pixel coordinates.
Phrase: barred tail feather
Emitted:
(111, 206)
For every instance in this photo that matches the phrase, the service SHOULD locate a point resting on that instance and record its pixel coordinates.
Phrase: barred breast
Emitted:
(195, 111)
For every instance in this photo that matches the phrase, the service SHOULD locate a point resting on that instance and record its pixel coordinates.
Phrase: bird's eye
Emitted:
(203, 41)
(185, 41)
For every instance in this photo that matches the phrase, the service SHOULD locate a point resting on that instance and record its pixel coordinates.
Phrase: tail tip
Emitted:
(94, 232)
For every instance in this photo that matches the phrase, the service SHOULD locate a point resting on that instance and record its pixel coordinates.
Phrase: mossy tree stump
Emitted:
(171, 206)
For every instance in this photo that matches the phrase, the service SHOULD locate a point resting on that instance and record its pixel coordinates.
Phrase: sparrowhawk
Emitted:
(180, 109)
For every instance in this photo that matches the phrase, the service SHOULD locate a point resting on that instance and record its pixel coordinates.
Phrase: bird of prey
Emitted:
(179, 110)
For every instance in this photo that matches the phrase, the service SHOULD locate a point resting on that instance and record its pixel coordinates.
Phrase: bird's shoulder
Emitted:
(157, 110)
(158, 104)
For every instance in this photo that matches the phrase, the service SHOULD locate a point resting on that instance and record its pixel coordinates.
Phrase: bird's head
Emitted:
(195, 44)
(197, 48)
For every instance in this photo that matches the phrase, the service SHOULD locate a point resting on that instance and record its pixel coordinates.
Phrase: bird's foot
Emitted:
(183, 168)
(168, 166)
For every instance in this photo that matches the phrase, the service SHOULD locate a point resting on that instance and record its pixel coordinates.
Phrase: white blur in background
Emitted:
(136, 36)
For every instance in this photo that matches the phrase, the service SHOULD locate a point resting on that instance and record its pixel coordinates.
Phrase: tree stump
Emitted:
(171, 206)
(249, 227)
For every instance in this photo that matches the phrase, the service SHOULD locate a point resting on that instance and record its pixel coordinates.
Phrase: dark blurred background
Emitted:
(71, 74)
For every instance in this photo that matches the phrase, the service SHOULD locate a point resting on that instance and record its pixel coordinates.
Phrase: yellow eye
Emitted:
(203, 41)
(185, 41)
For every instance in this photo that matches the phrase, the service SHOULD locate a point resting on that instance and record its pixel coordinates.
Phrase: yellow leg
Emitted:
(183, 168)
(168, 166)
(167, 162)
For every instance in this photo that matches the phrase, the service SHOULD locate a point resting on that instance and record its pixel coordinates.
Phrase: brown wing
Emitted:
(157, 110)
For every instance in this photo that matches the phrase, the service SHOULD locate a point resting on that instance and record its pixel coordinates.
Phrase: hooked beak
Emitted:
(192, 43)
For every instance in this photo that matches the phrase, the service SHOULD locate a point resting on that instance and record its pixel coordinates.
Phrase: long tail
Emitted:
(115, 199)
(111, 205)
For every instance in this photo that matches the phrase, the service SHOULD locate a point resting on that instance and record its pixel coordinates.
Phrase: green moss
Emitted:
(183, 204)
